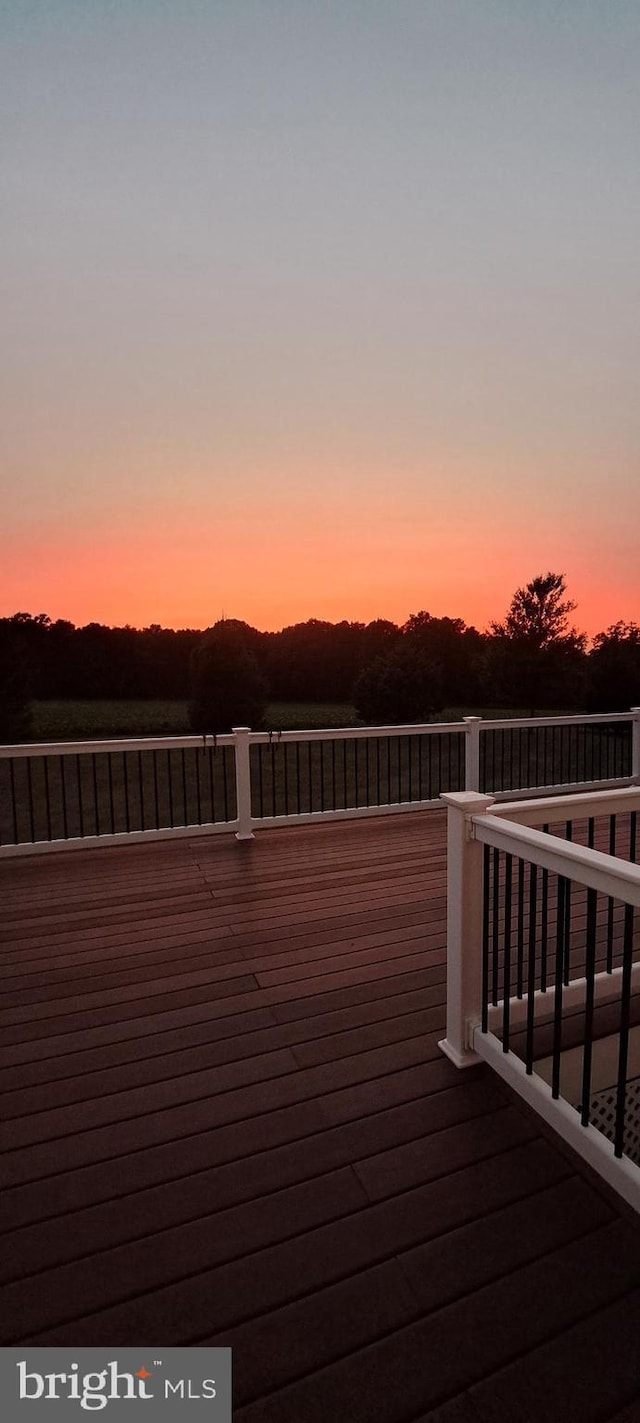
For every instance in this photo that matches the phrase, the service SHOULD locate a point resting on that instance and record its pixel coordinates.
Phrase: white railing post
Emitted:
(472, 753)
(243, 783)
(635, 745)
(464, 925)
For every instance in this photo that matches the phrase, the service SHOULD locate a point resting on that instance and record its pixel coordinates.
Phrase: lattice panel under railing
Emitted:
(603, 1116)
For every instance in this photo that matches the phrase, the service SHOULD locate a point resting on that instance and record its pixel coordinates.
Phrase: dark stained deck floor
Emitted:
(229, 1122)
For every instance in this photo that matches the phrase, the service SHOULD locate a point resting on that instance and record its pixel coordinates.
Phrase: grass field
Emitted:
(93, 720)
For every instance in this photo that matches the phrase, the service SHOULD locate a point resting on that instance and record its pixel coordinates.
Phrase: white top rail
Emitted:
(584, 804)
(617, 878)
(130, 743)
(256, 738)
(357, 733)
(504, 723)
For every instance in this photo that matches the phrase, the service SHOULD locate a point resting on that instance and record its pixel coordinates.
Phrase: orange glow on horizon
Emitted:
(273, 573)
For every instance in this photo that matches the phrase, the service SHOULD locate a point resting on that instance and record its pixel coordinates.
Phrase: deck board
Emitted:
(227, 1120)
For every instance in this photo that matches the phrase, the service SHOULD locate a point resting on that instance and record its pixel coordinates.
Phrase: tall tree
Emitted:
(614, 669)
(538, 615)
(227, 687)
(455, 649)
(399, 687)
(537, 659)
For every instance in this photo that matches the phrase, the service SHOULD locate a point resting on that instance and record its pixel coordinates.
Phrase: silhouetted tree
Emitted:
(455, 649)
(15, 684)
(227, 686)
(537, 615)
(399, 687)
(614, 669)
(536, 659)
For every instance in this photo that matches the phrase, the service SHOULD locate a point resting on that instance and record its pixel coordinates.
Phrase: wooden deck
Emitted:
(229, 1122)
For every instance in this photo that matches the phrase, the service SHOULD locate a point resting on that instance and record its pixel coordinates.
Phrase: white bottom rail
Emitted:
(620, 1173)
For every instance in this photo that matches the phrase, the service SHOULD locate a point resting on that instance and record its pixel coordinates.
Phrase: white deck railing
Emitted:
(65, 795)
(544, 930)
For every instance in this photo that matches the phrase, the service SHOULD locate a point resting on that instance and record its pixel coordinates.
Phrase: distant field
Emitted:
(93, 720)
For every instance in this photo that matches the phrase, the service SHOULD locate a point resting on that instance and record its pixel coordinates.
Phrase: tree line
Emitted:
(534, 659)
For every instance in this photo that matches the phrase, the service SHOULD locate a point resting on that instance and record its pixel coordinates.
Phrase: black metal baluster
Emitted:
(298, 777)
(198, 787)
(531, 966)
(590, 975)
(32, 829)
(183, 762)
(95, 794)
(79, 785)
(225, 782)
(410, 749)
(366, 771)
(588, 754)
(520, 939)
(127, 808)
(567, 911)
(112, 823)
(610, 909)
(169, 787)
(495, 927)
(322, 774)
(141, 785)
(388, 770)
(310, 775)
(333, 776)
(633, 836)
(212, 792)
(156, 796)
(286, 776)
(506, 984)
(544, 937)
(355, 744)
(344, 772)
(14, 800)
(501, 734)
(63, 787)
(625, 1005)
(486, 893)
(47, 796)
(519, 735)
(557, 1005)
(273, 778)
(377, 770)
(591, 830)
(260, 784)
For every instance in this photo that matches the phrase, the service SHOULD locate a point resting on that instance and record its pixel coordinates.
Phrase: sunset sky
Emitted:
(319, 308)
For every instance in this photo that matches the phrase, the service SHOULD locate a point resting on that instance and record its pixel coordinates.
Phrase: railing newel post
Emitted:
(241, 748)
(635, 745)
(472, 753)
(464, 924)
